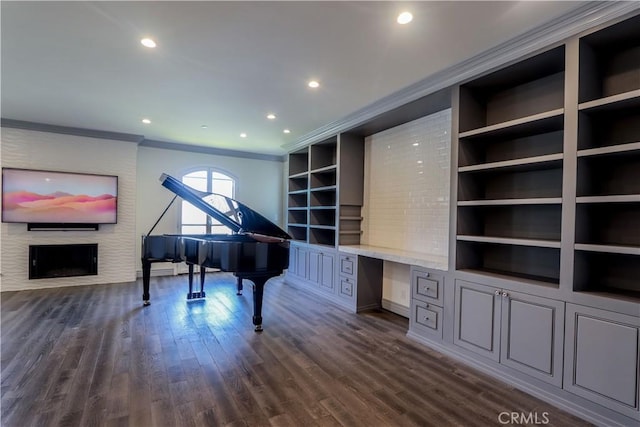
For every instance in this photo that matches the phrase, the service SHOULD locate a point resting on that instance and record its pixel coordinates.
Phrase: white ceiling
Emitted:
(227, 64)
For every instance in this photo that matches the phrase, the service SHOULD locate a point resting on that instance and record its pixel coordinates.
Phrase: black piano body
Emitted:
(257, 250)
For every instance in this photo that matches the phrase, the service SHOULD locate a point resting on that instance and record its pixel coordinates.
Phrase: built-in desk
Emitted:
(419, 259)
(364, 270)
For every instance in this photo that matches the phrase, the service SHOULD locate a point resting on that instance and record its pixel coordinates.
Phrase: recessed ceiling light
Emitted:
(271, 116)
(148, 43)
(404, 18)
(415, 144)
(286, 131)
(204, 126)
(243, 135)
(313, 84)
(146, 121)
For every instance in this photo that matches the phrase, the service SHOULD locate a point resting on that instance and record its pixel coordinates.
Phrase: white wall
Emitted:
(259, 185)
(141, 199)
(50, 151)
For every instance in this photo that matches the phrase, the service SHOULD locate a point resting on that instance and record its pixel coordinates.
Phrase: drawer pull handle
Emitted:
(426, 319)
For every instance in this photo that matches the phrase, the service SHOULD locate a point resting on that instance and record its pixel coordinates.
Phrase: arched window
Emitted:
(193, 220)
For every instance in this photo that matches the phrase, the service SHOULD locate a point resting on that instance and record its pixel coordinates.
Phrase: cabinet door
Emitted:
(602, 358)
(301, 258)
(477, 319)
(327, 272)
(314, 267)
(532, 336)
(293, 257)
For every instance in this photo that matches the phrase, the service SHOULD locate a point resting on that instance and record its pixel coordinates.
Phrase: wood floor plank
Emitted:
(93, 356)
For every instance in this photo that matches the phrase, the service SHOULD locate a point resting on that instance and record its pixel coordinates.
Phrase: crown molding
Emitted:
(67, 130)
(138, 139)
(543, 37)
(151, 143)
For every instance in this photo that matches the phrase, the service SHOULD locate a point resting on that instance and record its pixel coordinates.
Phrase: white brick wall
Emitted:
(116, 245)
(407, 178)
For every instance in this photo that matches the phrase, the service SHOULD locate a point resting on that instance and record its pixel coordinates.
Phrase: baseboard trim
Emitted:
(157, 272)
(396, 308)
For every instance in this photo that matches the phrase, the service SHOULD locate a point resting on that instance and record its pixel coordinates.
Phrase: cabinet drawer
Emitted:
(347, 265)
(346, 287)
(427, 286)
(426, 318)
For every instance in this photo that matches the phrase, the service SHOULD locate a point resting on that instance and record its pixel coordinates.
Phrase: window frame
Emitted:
(211, 223)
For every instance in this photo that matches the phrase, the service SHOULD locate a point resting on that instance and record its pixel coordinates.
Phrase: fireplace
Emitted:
(47, 261)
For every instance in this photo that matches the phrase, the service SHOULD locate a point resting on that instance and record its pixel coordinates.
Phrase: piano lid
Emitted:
(231, 213)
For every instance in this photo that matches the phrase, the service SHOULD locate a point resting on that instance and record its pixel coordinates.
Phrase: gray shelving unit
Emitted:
(510, 166)
(542, 288)
(607, 242)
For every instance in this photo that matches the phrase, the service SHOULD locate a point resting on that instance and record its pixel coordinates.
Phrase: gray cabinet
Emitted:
(321, 269)
(427, 298)
(518, 330)
(602, 358)
(347, 276)
(298, 260)
(359, 282)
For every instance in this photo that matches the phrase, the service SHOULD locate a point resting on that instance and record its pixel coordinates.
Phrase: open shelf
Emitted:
(297, 200)
(612, 103)
(299, 162)
(535, 222)
(618, 127)
(324, 178)
(298, 183)
(526, 89)
(539, 162)
(514, 262)
(297, 232)
(611, 224)
(519, 143)
(526, 182)
(322, 217)
(297, 216)
(615, 173)
(609, 61)
(607, 272)
(541, 122)
(324, 197)
(324, 154)
(322, 236)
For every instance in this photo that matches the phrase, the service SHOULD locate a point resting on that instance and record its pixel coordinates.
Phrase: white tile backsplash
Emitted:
(407, 178)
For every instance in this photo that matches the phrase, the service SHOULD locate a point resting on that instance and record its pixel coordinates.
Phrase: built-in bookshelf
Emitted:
(312, 193)
(298, 195)
(510, 167)
(607, 242)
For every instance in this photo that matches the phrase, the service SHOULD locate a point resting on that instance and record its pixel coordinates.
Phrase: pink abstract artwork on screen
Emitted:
(58, 197)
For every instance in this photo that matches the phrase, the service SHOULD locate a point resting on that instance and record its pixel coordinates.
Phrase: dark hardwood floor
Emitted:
(93, 356)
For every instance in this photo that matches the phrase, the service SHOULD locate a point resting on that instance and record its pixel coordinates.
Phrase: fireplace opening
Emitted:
(48, 261)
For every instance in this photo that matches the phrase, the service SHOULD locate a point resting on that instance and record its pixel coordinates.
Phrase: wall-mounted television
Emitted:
(51, 197)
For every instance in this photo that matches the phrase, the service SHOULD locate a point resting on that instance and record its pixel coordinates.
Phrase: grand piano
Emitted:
(256, 250)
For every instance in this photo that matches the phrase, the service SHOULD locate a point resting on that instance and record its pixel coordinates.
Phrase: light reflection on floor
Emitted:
(220, 307)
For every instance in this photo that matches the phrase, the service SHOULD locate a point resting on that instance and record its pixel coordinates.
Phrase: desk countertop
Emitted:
(420, 259)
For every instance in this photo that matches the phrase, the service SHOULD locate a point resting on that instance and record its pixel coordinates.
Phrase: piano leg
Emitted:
(203, 272)
(200, 294)
(258, 293)
(146, 276)
(190, 294)
(239, 286)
